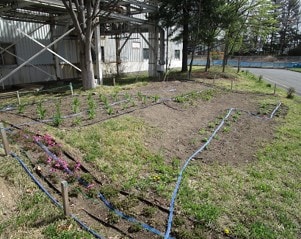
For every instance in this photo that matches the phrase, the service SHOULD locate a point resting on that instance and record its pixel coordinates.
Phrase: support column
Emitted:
(162, 52)
(98, 65)
(56, 61)
(153, 53)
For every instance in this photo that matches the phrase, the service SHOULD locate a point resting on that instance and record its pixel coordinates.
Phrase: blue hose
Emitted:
(175, 192)
(105, 201)
(172, 203)
(53, 199)
(130, 219)
(171, 207)
(275, 110)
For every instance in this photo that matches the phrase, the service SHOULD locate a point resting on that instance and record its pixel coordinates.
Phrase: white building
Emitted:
(26, 31)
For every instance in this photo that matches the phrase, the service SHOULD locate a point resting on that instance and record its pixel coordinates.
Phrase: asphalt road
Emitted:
(283, 78)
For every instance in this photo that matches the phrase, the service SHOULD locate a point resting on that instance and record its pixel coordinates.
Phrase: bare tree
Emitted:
(86, 15)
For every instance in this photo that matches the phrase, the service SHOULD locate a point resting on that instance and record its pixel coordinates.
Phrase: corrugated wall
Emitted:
(131, 55)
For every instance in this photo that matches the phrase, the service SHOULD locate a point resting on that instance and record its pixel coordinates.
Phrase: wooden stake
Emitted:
(64, 187)
(71, 88)
(231, 84)
(114, 82)
(275, 89)
(4, 139)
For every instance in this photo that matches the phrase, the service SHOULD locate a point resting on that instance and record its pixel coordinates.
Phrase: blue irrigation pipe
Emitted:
(175, 192)
(52, 198)
(130, 219)
(275, 110)
(103, 199)
(171, 207)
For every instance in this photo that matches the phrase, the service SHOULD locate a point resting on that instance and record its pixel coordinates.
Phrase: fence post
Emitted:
(231, 84)
(4, 139)
(275, 89)
(64, 187)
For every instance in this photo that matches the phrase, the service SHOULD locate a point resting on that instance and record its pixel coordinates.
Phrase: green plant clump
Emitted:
(41, 111)
(290, 93)
(57, 118)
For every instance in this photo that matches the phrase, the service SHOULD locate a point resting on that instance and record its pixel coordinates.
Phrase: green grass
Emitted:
(295, 69)
(260, 199)
(116, 148)
(32, 214)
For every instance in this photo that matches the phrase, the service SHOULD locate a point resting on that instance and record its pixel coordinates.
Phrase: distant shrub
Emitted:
(290, 93)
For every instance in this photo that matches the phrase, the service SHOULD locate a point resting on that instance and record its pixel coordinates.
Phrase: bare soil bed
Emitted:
(183, 123)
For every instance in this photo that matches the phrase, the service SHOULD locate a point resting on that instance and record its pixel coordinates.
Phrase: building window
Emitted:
(136, 45)
(102, 49)
(5, 57)
(145, 53)
(177, 54)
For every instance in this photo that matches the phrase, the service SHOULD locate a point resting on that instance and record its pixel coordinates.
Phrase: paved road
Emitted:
(283, 78)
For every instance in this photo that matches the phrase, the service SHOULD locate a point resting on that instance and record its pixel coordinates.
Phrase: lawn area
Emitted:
(245, 184)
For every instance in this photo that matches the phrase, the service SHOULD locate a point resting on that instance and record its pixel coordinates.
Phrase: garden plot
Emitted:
(131, 144)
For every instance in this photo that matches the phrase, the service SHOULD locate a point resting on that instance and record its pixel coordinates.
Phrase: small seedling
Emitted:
(112, 218)
(21, 108)
(57, 118)
(75, 105)
(109, 110)
(41, 111)
(115, 96)
(204, 140)
(139, 95)
(156, 98)
(202, 131)
(134, 228)
(211, 125)
(92, 107)
(87, 178)
(127, 96)
(144, 99)
(103, 99)
(148, 211)
(180, 99)
(226, 129)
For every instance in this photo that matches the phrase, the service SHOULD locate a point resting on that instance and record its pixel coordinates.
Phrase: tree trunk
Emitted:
(225, 58)
(185, 39)
(208, 58)
(185, 48)
(87, 66)
(118, 52)
(238, 64)
(191, 61)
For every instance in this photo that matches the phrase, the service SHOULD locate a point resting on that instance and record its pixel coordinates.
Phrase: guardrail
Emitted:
(251, 64)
